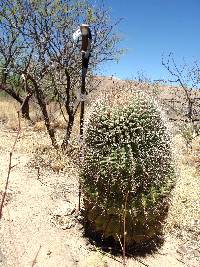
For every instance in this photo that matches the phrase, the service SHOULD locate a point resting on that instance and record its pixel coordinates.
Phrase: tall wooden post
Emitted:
(85, 50)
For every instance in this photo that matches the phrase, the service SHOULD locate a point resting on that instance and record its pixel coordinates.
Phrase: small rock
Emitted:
(195, 222)
(2, 257)
(49, 252)
(196, 253)
(184, 200)
(79, 218)
(68, 225)
(182, 250)
(64, 208)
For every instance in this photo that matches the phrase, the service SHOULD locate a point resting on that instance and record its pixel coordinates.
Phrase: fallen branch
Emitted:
(35, 259)
(10, 164)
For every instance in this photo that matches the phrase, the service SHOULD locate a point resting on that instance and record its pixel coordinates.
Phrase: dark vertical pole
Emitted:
(82, 104)
(82, 109)
(85, 49)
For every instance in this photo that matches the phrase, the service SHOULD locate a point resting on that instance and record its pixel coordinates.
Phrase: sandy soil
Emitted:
(40, 226)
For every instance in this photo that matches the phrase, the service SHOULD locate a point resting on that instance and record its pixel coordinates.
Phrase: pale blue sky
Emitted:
(151, 28)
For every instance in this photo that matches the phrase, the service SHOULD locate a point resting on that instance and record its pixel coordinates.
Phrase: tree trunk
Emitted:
(25, 107)
(11, 92)
(43, 107)
(25, 111)
(68, 132)
(190, 110)
(50, 130)
(19, 99)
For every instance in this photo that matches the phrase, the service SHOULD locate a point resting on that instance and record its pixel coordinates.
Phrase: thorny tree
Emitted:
(51, 61)
(187, 104)
(11, 49)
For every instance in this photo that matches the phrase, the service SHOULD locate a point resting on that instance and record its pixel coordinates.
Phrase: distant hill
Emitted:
(172, 98)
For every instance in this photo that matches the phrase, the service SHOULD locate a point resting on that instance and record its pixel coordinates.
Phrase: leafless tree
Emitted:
(51, 61)
(187, 89)
(11, 49)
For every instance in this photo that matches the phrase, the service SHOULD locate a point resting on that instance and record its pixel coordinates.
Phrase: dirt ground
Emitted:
(40, 226)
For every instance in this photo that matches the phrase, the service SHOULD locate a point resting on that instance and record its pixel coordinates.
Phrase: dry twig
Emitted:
(10, 166)
(35, 259)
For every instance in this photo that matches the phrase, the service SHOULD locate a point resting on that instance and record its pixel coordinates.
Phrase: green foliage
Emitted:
(127, 163)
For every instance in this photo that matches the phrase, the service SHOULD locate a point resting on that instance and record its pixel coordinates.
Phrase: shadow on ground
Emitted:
(110, 245)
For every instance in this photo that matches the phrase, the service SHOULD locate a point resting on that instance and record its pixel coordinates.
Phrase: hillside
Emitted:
(172, 98)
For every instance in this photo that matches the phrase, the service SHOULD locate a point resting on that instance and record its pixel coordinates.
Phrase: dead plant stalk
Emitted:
(124, 231)
(10, 163)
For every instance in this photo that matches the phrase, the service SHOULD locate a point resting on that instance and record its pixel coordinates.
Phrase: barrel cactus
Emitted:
(128, 171)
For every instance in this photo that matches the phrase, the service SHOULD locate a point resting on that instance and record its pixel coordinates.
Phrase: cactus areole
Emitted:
(128, 169)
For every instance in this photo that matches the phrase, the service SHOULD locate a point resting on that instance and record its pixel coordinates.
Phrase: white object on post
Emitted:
(77, 34)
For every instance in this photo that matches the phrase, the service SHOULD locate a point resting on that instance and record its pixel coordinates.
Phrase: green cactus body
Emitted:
(128, 168)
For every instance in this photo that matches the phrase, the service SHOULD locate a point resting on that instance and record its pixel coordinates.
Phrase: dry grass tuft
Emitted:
(8, 111)
(183, 221)
(8, 115)
(194, 157)
(39, 126)
(185, 208)
(56, 118)
(47, 157)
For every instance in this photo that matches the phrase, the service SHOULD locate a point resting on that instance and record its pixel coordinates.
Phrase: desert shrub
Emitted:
(128, 167)
(189, 131)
